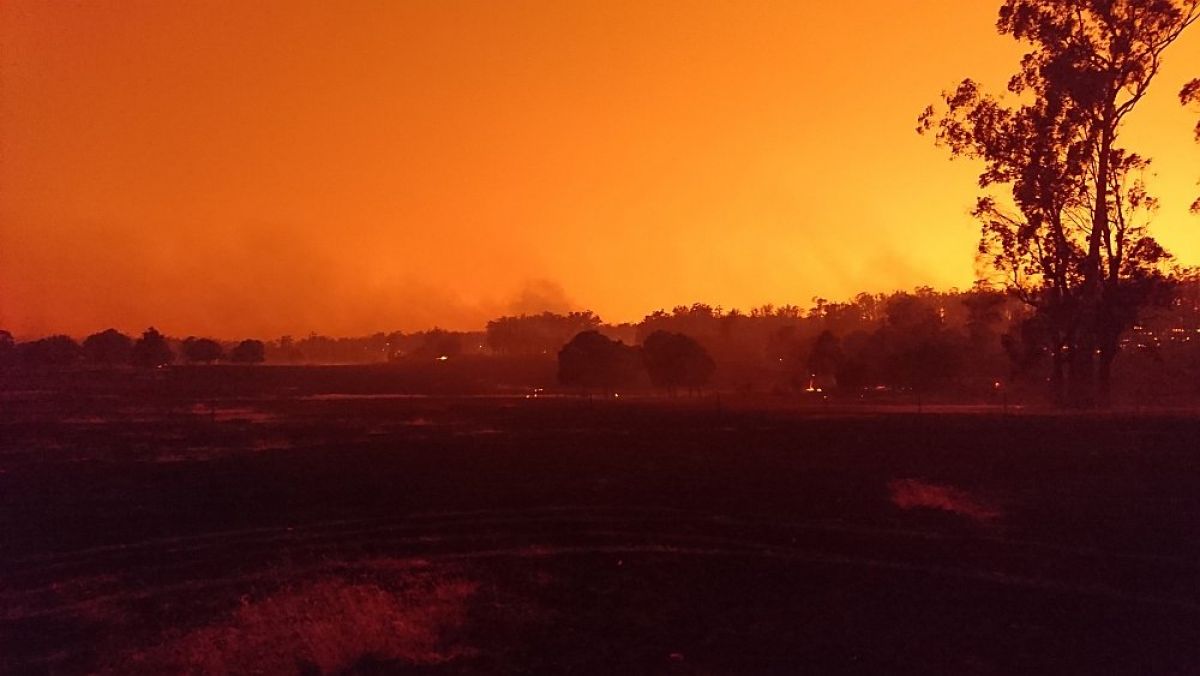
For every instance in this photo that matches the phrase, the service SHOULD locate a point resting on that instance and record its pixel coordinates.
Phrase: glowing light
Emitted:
(914, 494)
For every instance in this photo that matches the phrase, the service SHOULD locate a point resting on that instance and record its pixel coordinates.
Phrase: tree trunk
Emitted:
(1104, 378)
(1081, 386)
(1058, 378)
(1092, 271)
(1081, 379)
(1109, 345)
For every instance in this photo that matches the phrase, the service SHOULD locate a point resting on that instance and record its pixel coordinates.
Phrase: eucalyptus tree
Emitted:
(1072, 238)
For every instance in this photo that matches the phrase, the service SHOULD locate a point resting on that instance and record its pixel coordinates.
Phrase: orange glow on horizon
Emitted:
(253, 169)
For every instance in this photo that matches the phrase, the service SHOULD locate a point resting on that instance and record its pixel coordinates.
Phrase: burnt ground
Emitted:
(273, 532)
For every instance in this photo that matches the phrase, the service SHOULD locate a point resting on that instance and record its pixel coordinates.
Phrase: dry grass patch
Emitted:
(326, 627)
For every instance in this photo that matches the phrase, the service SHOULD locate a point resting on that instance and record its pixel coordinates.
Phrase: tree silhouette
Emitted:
(824, 361)
(918, 352)
(53, 351)
(108, 348)
(152, 350)
(248, 351)
(675, 360)
(591, 360)
(1025, 344)
(287, 350)
(538, 334)
(438, 343)
(202, 350)
(1075, 244)
(1190, 94)
(858, 368)
(985, 313)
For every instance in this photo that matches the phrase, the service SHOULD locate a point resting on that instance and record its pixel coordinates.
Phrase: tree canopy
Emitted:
(108, 348)
(248, 351)
(202, 350)
(674, 360)
(592, 360)
(51, 351)
(152, 350)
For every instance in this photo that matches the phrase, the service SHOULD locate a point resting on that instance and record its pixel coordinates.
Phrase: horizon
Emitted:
(804, 308)
(321, 174)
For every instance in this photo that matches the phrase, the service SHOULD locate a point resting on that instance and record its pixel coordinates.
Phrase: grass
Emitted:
(327, 626)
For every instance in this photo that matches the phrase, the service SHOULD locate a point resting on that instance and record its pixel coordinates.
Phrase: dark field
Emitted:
(150, 528)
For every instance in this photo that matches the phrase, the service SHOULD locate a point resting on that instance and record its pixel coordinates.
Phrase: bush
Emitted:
(248, 352)
(675, 360)
(152, 350)
(593, 360)
(52, 351)
(202, 350)
(108, 348)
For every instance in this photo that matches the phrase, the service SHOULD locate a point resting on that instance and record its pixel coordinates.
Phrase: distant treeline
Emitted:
(974, 344)
(111, 348)
(921, 341)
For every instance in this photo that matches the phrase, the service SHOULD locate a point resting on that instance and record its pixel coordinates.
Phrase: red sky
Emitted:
(259, 168)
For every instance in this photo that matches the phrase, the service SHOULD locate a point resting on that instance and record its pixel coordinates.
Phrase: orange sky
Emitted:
(259, 168)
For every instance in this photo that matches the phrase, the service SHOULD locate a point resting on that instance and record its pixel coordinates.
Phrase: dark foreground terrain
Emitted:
(455, 535)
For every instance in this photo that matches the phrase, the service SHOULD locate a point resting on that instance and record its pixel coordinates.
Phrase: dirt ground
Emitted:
(276, 531)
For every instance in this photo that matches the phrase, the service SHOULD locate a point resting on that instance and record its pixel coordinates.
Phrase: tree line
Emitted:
(923, 341)
(111, 348)
(958, 343)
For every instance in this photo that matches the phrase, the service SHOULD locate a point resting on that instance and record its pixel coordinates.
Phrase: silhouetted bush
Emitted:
(248, 352)
(108, 348)
(674, 360)
(591, 360)
(437, 343)
(51, 351)
(202, 350)
(152, 350)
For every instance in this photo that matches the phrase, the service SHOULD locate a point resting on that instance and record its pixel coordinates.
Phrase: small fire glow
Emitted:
(914, 494)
